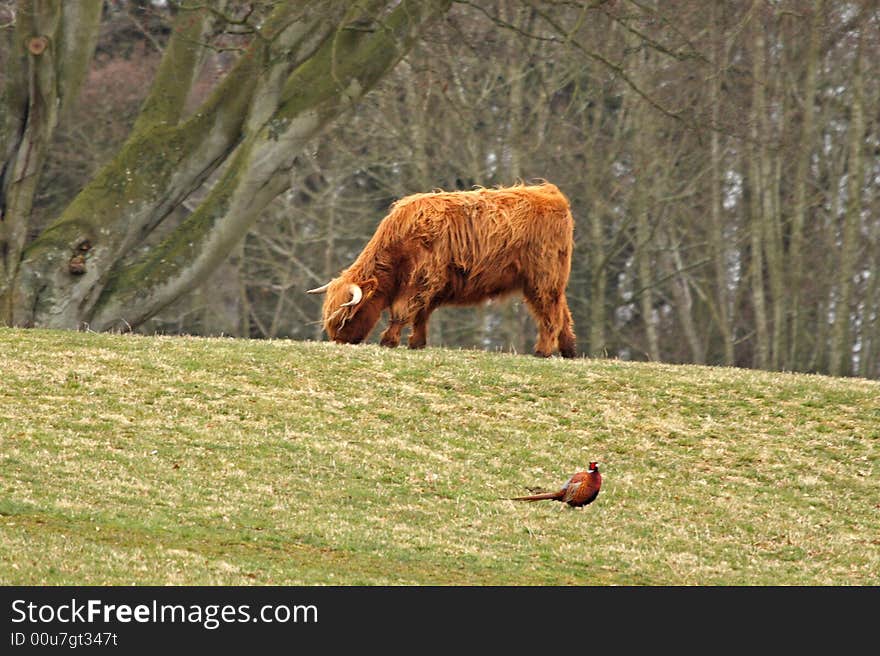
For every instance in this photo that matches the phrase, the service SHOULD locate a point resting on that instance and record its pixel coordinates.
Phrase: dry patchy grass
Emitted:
(135, 460)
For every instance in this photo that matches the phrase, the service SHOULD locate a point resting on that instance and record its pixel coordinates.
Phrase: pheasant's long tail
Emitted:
(540, 497)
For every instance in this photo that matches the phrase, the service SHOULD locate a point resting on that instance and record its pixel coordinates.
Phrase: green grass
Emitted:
(144, 460)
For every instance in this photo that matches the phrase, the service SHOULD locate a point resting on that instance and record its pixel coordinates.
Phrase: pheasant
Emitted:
(581, 489)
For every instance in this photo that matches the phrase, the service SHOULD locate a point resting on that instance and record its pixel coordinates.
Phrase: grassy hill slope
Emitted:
(135, 460)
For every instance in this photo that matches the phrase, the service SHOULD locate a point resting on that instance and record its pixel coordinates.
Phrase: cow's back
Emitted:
(483, 242)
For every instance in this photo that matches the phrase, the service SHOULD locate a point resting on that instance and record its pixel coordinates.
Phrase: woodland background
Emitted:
(722, 160)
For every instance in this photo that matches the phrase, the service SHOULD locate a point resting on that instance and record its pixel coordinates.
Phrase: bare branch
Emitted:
(568, 39)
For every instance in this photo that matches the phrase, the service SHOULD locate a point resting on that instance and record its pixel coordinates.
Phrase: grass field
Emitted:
(149, 460)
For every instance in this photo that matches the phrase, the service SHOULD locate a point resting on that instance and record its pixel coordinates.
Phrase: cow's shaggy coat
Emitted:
(459, 248)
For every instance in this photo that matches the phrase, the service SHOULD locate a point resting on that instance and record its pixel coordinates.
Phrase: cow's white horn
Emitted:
(319, 290)
(356, 295)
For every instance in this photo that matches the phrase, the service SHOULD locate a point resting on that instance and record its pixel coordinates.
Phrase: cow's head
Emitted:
(351, 310)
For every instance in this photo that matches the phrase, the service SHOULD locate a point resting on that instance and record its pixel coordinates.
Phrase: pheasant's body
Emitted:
(581, 489)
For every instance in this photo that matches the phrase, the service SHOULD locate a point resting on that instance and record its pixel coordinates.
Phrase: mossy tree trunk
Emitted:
(308, 63)
(49, 53)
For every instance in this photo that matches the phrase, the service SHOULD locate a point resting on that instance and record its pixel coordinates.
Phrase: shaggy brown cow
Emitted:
(459, 248)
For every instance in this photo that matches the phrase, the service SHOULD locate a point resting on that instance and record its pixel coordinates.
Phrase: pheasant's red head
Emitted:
(594, 466)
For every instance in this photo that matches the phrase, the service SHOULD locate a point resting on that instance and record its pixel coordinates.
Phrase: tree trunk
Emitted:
(767, 185)
(644, 242)
(644, 181)
(828, 240)
(52, 47)
(757, 206)
(775, 256)
(870, 334)
(684, 301)
(156, 169)
(840, 359)
(717, 241)
(805, 148)
(598, 283)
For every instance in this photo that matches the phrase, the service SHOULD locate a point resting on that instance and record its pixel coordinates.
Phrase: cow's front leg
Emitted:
(419, 337)
(391, 335)
(409, 307)
(400, 316)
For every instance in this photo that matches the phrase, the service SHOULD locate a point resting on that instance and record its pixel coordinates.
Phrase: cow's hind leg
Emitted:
(567, 344)
(553, 317)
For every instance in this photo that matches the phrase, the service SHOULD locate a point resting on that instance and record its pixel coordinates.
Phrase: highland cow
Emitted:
(459, 248)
